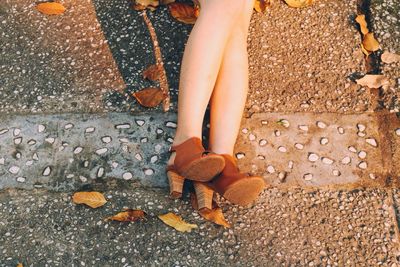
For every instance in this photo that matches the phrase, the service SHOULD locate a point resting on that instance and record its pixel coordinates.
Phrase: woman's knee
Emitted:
(237, 10)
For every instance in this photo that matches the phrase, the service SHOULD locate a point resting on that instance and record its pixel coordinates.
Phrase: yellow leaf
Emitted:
(261, 5)
(299, 3)
(373, 81)
(367, 53)
(92, 199)
(50, 8)
(363, 24)
(389, 58)
(129, 215)
(20, 265)
(370, 43)
(176, 222)
(214, 215)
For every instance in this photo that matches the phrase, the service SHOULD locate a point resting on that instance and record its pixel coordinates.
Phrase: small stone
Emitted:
(159, 131)
(100, 172)
(3, 131)
(83, 178)
(78, 150)
(299, 146)
(282, 149)
(361, 134)
(35, 156)
(308, 176)
(171, 124)
(372, 142)
(144, 140)
(324, 141)
(154, 159)
(290, 164)
(264, 122)
(50, 140)
(90, 130)
(336, 173)
(138, 156)
(68, 126)
(127, 176)
(69, 176)
(313, 157)
(397, 132)
(106, 139)
(114, 164)
(140, 122)
(101, 151)
(245, 130)
(240, 155)
(327, 161)
(41, 128)
(14, 169)
(252, 137)
(2, 161)
(362, 165)
(18, 155)
(29, 162)
(285, 123)
(17, 140)
(352, 149)
(270, 169)
(361, 127)
(17, 131)
(31, 142)
(277, 133)
(123, 126)
(124, 140)
(263, 142)
(261, 157)
(372, 176)
(340, 130)
(362, 154)
(46, 171)
(21, 179)
(321, 124)
(346, 160)
(86, 163)
(148, 171)
(303, 128)
(282, 176)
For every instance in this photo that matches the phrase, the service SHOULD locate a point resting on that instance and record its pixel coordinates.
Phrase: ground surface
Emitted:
(68, 123)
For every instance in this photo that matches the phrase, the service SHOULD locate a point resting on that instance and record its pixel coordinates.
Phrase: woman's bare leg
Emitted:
(201, 62)
(230, 92)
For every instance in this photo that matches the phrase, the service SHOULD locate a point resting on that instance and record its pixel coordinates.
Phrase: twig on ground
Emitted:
(159, 62)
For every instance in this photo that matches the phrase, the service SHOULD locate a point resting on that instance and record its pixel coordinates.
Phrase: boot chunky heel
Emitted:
(192, 162)
(204, 195)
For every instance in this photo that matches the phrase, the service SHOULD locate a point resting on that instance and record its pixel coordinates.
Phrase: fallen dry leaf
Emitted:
(365, 51)
(176, 222)
(298, 3)
(149, 97)
(389, 58)
(50, 8)
(215, 215)
(261, 5)
(373, 81)
(20, 265)
(152, 72)
(183, 12)
(370, 43)
(92, 199)
(363, 24)
(129, 215)
(143, 4)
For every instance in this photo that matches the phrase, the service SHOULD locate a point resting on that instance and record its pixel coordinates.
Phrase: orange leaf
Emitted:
(149, 97)
(365, 51)
(50, 8)
(363, 24)
(176, 222)
(261, 5)
(370, 43)
(129, 215)
(183, 12)
(215, 215)
(152, 72)
(143, 4)
(20, 265)
(298, 3)
(92, 199)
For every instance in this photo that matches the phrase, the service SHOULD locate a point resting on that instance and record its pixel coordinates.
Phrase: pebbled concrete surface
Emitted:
(296, 228)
